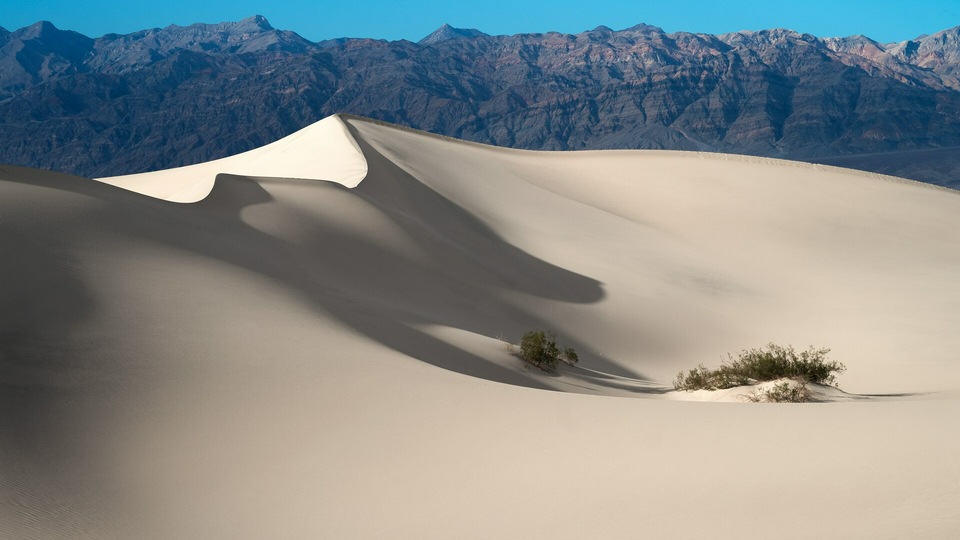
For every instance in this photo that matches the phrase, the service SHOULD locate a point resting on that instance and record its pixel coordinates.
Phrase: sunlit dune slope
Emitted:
(321, 151)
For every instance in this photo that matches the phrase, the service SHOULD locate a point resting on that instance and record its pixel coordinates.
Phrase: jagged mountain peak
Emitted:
(121, 53)
(43, 38)
(39, 52)
(447, 32)
(939, 52)
(250, 25)
(644, 28)
(51, 37)
(774, 38)
(859, 39)
(38, 28)
(259, 21)
(859, 45)
(950, 36)
(766, 33)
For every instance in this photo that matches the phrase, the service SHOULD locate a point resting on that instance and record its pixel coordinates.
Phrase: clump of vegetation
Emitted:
(787, 391)
(540, 349)
(766, 364)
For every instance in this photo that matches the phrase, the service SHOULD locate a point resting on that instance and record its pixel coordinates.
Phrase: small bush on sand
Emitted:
(540, 349)
(787, 391)
(763, 364)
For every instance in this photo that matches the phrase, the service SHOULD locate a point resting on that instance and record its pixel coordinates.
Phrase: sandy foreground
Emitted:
(306, 341)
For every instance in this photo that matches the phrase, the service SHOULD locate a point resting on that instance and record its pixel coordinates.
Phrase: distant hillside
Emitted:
(167, 97)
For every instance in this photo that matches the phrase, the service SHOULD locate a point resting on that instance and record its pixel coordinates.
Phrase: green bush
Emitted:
(540, 349)
(782, 392)
(758, 365)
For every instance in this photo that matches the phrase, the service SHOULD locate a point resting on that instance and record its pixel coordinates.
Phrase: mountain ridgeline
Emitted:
(168, 97)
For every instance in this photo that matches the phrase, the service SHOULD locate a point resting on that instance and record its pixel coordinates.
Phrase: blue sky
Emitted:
(883, 20)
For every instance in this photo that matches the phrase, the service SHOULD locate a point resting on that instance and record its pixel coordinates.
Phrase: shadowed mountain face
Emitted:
(179, 95)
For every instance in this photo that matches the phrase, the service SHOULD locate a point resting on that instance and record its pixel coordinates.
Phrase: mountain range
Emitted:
(169, 97)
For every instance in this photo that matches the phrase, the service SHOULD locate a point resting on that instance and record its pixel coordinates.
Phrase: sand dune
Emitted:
(310, 348)
(322, 151)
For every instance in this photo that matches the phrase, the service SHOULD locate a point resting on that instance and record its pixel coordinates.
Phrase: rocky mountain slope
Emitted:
(179, 95)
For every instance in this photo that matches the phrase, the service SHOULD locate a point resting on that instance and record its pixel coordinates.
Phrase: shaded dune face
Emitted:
(428, 262)
(297, 234)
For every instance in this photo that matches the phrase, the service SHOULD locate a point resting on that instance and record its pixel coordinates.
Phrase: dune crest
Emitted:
(323, 150)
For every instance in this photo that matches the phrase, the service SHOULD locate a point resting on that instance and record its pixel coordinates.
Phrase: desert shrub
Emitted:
(763, 364)
(540, 349)
(782, 392)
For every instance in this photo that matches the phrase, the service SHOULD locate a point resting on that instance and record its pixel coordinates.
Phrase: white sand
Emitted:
(293, 358)
(322, 151)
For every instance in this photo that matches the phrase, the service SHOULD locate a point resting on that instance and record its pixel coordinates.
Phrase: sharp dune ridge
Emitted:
(307, 340)
(698, 153)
